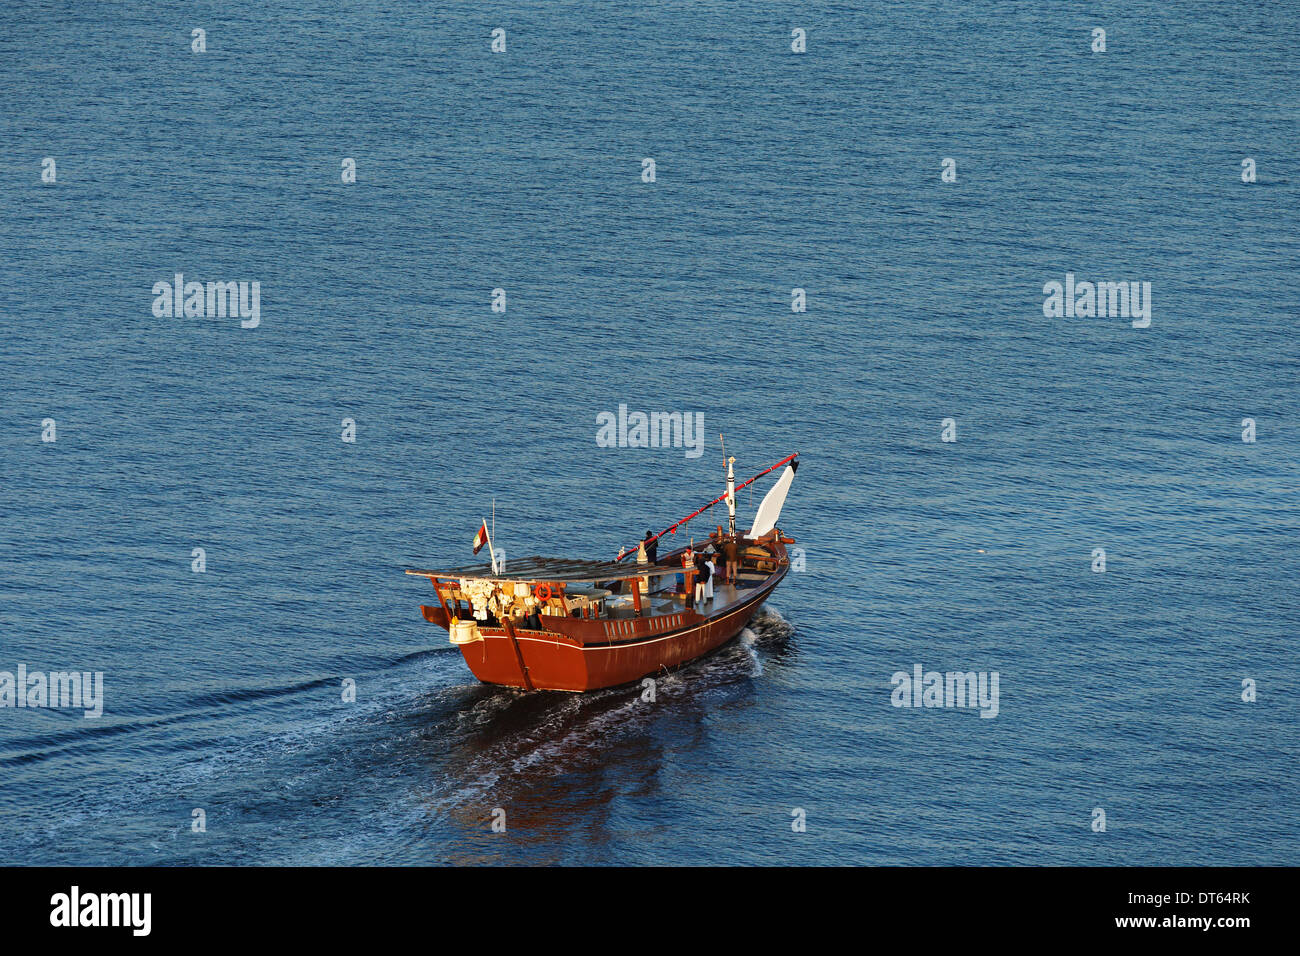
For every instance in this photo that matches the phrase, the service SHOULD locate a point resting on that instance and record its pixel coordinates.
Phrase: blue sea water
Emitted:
(1120, 691)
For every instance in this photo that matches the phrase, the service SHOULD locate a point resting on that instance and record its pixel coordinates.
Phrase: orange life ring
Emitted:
(542, 592)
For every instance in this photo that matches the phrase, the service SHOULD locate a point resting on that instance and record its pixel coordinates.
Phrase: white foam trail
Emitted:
(747, 641)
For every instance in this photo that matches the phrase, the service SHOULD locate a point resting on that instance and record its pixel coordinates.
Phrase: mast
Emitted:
(731, 496)
(492, 551)
(731, 486)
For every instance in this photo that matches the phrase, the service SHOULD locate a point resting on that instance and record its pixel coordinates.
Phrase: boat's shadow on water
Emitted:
(547, 755)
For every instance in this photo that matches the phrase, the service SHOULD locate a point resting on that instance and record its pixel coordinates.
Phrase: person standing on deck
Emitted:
(710, 570)
(731, 551)
(701, 579)
(687, 576)
(715, 542)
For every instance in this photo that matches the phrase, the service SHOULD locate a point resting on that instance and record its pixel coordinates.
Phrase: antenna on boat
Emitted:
(492, 548)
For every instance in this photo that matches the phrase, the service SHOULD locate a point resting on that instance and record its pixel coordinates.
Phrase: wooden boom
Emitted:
(722, 497)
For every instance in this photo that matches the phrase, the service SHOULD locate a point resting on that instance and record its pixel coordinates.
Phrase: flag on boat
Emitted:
(480, 539)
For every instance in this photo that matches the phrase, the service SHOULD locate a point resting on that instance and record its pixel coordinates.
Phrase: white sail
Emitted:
(770, 509)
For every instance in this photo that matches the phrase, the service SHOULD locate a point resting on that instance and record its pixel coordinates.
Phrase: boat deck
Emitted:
(725, 596)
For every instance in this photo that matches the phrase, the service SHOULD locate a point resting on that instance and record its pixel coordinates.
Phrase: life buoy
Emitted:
(542, 592)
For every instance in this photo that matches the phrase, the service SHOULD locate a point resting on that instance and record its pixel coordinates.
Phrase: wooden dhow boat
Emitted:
(556, 624)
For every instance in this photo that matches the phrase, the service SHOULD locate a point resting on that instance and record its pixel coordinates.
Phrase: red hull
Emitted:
(558, 662)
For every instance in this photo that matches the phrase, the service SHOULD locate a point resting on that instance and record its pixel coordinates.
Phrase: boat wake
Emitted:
(419, 750)
(511, 740)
